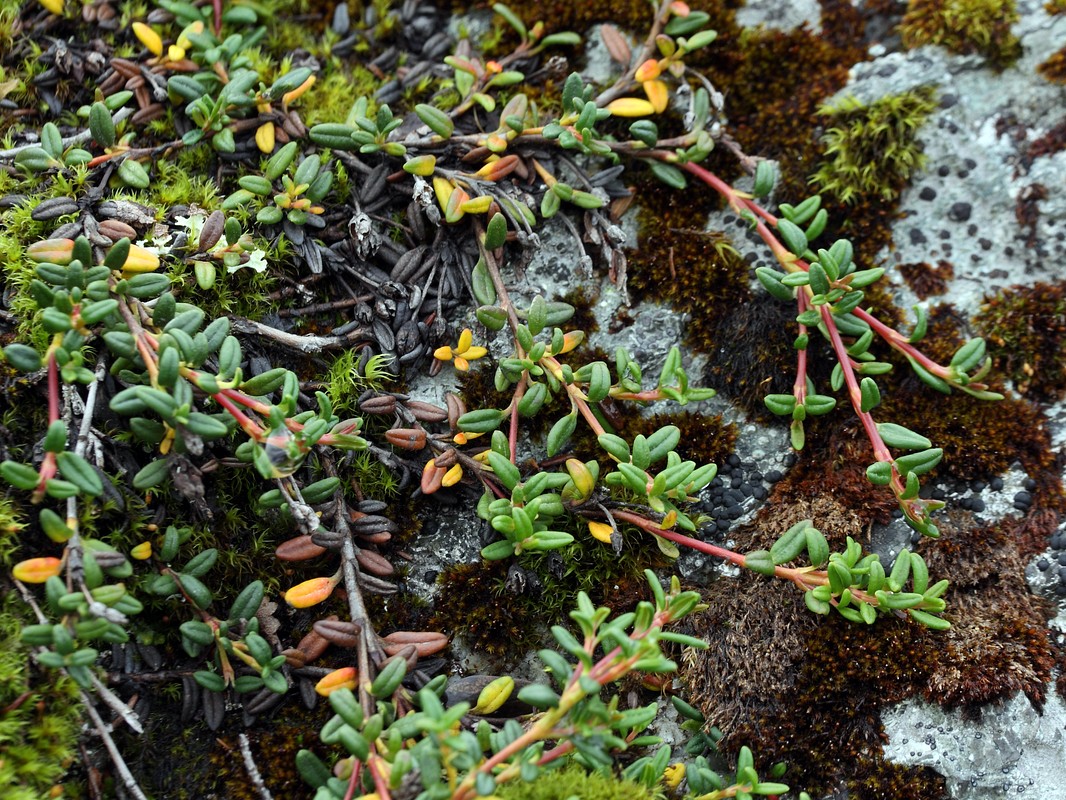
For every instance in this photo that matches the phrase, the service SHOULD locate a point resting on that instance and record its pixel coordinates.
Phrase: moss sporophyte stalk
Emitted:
(174, 434)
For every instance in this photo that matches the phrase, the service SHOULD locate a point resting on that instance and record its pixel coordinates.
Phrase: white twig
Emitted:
(116, 757)
(253, 770)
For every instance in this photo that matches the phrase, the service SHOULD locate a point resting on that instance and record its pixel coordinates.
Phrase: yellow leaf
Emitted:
(601, 531)
(310, 592)
(343, 678)
(443, 353)
(443, 188)
(494, 695)
(477, 205)
(630, 107)
(53, 6)
(466, 338)
(175, 53)
(264, 138)
(140, 260)
(452, 476)
(142, 552)
(37, 570)
(584, 480)
(194, 28)
(149, 38)
(669, 520)
(658, 94)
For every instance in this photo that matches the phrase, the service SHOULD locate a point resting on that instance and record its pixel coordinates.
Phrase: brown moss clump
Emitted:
(926, 280)
(705, 438)
(751, 353)
(964, 26)
(998, 643)
(475, 604)
(1054, 69)
(1025, 327)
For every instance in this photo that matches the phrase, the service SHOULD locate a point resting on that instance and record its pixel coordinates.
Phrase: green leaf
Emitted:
(497, 551)
(78, 471)
(901, 438)
(928, 620)
(760, 561)
(919, 463)
(22, 357)
(561, 432)
(790, 544)
(870, 395)
(539, 696)
(792, 236)
(879, 473)
(435, 119)
(668, 174)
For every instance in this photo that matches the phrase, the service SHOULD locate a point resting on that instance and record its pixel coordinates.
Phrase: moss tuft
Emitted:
(926, 280)
(965, 26)
(1025, 327)
(872, 149)
(574, 781)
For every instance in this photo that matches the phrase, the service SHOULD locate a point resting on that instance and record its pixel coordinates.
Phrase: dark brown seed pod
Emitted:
(331, 540)
(214, 706)
(376, 538)
(447, 459)
(190, 697)
(456, 409)
(300, 548)
(211, 231)
(314, 644)
(406, 438)
(54, 207)
(308, 695)
(136, 82)
(408, 265)
(338, 632)
(114, 230)
(376, 585)
(426, 412)
(264, 701)
(426, 643)
(378, 404)
(147, 114)
(294, 657)
(408, 654)
(124, 67)
(108, 559)
(372, 507)
(375, 564)
(373, 523)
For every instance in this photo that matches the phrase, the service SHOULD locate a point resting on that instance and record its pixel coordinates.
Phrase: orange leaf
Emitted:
(310, 592)
(648, 71)
(37, 570)
(658, 94)
(343, 678)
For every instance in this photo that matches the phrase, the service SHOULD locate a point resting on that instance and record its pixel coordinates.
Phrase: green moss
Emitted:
(41, 718)
(331, 98)
(964, 26)
(872, 148)
(573, 781)
(1025, 328)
